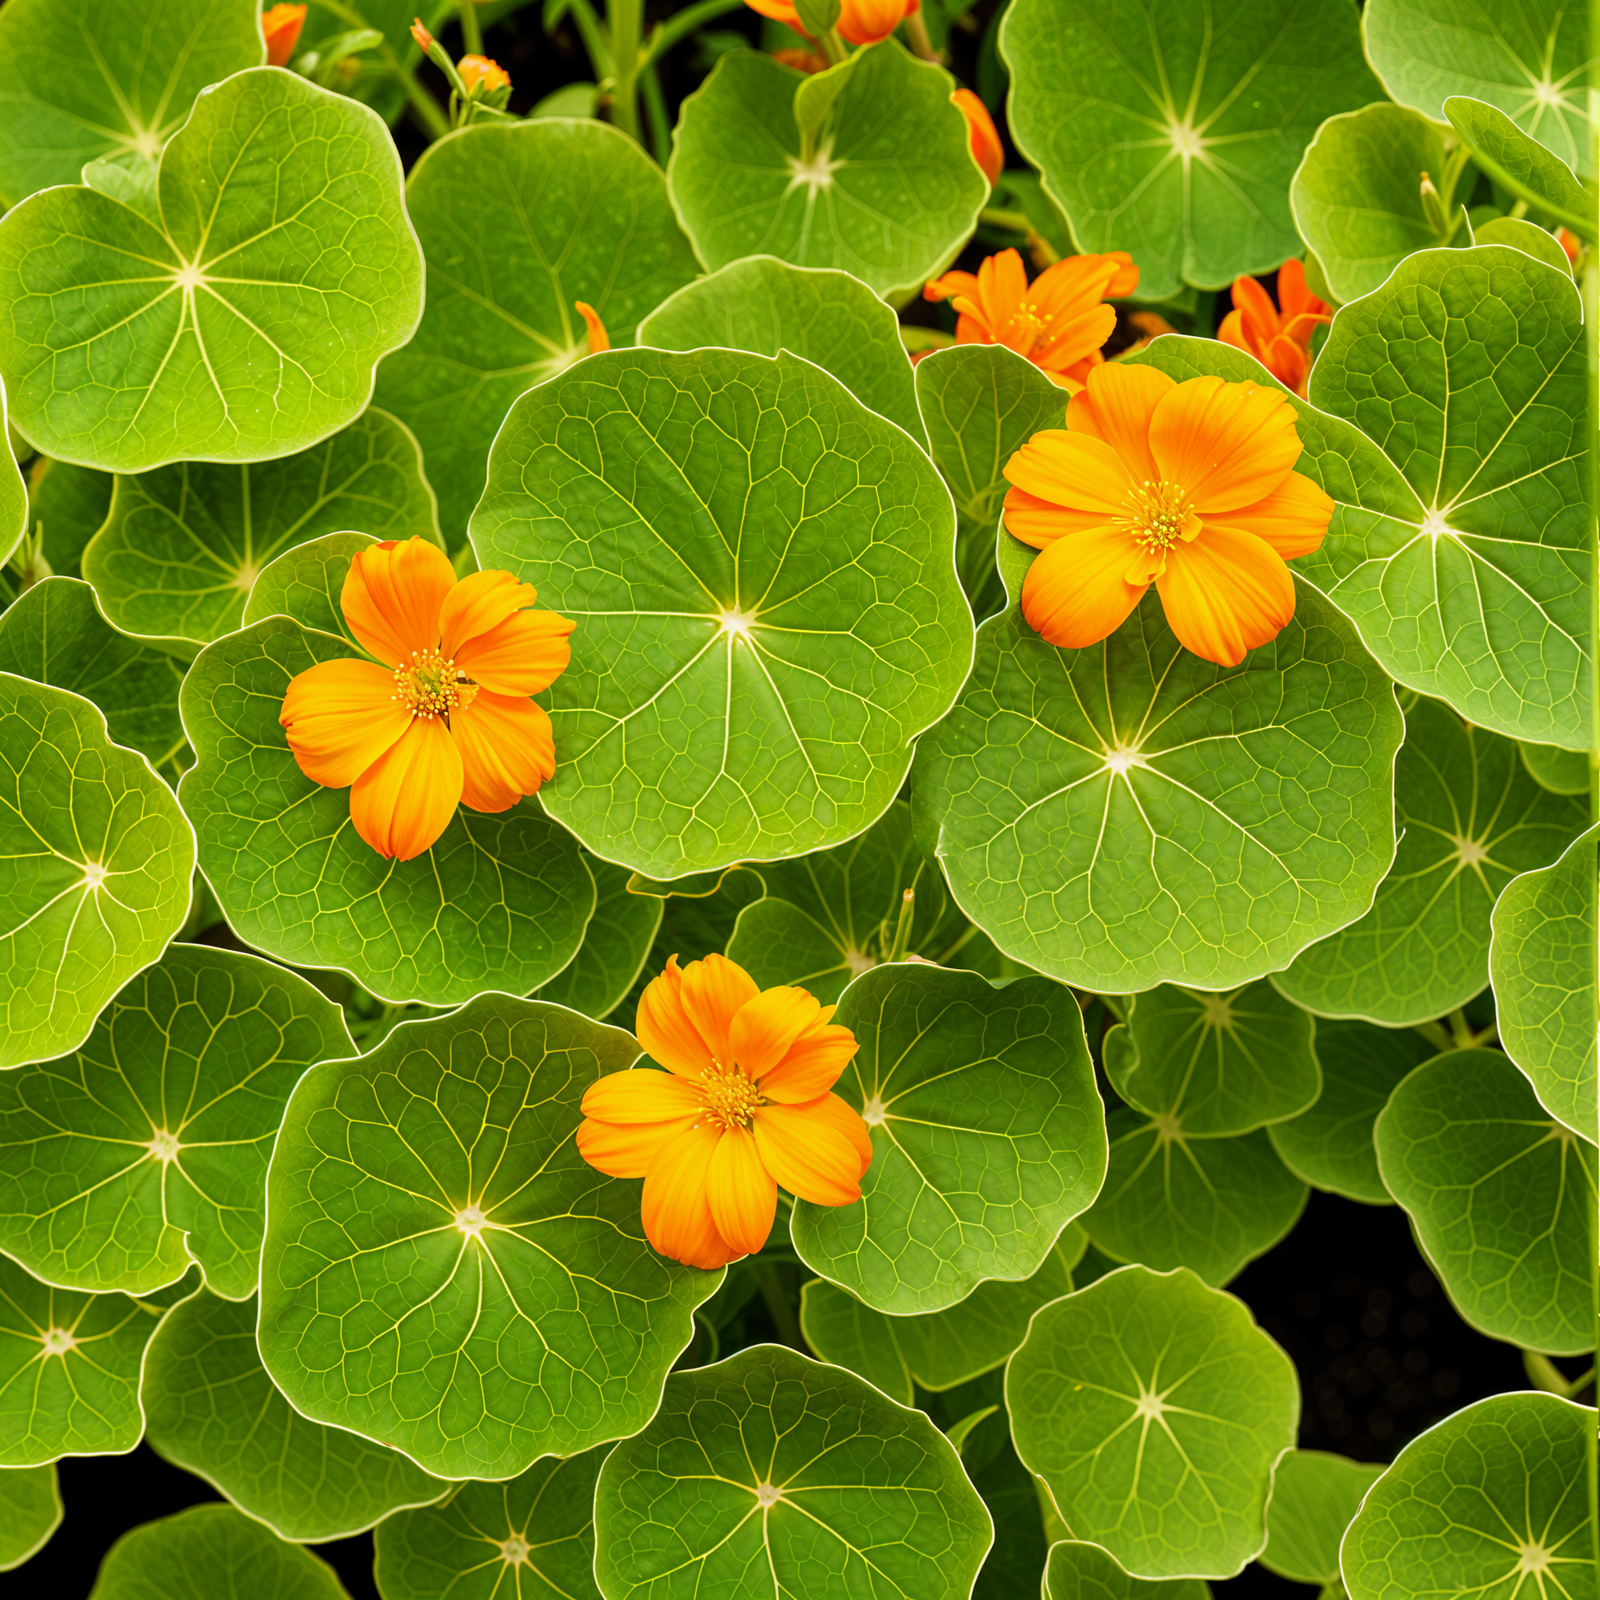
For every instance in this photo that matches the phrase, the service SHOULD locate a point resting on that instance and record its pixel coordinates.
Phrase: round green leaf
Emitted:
(209, 1551)
(518, 222)
(1528, 237)
(1560, 771)
(944, 1348)
(889, 193)
(1490, 1502)
(760, 571)
(183, 546)
(56, 633)
(1357, 195)
(1155, 1409)
(1172, 131)
(616, 945)
(249, 323)
(86, 80)
(768, 1475)
(1526, 59)
(1470, 819)
(1214, 1063)
(30, 1511)
(1211, 1205)
(211, 1408)
(1330, 1146)
(529, 1539)
(500, 902)
(1500, 1195)
(1468, 579)
(306, 583)
(1314, 1497)
(99, 868)
(1515, 161)
(1539, 961)
(147, 1148)
(1077, 1571)
(987, 1136)
(69, 1370)
(1128, 814)
(442, 1271)
(833, 320)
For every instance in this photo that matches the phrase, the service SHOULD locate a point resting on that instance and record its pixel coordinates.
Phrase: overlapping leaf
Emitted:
(1470, 819)
(67, 505)
(211, 1409)
(888, 190)
(147, 1148)
(14, 500)
(518, 222)
(443, 1272)
(1560, 771)
(248, 321)
(183, 546)
(1128, 814)
(760, 571)
(769, 1475)
(1490, 1502)
(986, 1132)
(99, 865)
(1170, 128)
(1154, 1409)
(30, 1511)
(616, 945)
(1314, 1497)
(1077, 1571)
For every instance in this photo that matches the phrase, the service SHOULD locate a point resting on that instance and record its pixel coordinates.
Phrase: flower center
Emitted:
(1026, 326)
(432, 686)
(1160, 515)
(731, 1098)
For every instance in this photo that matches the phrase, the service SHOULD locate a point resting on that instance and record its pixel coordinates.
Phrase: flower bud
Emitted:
(423, 38)
(598, 338)
(280, 27)
(987, 150)
(479, 73)
(1433, 208)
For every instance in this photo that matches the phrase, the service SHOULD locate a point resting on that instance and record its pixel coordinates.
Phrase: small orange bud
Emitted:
(987, 150)
(480, 71)
(598, 338)
(421, 35)
(1571, 243)
(280, 27)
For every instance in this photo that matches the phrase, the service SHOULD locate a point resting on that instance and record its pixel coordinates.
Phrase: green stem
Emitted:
(833, 47)
(625, 18)
(1591, 339)
(655, 113)
(902, 928)
(1435, 1035)
(681, 24)
(471, 33)
(423, 106)
(1018, 222)
(777, 1303)
(595, 42)
(917, 37)
(1544, 1374)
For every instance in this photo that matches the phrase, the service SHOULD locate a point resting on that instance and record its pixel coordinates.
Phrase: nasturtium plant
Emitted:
(1314, 1498)
(30, 1511)
(1077, 1571)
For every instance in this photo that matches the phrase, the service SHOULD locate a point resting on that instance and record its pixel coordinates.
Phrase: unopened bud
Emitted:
(421, 35)
(1433, 208)
(598, 338)
(280, 27)
(479, 73)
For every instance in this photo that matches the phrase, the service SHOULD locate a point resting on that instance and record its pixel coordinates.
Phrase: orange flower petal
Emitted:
(1225, 444)
(392, 596)
(663, 1028)
(1115, 407)
(1295, 298)
(1292, 519)
(950, 285)
(778, 10)
(627, 1151)
(507, 750)
(810, 1155)
(982, 135)
(1074, 471)
(713, 992)
(741, 1192)
(1258, 315)
(522, 655)
(1225, 593)
(675, 1209)
(1077, 592)
(843, 1116)
(812, 1066)
(1288, 361)
(640, 1095)
(1039, 523)
(340, 717)
(869, 21)
(406, 798)
(1232, 332)
(763, 1029)
(599, 339)
(480, 602)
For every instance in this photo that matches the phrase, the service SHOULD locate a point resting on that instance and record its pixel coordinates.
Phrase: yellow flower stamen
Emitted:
(731, 1098)
(1161, 515)
(431, 686)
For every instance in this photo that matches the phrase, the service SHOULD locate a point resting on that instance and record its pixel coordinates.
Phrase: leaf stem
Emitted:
(681, 24)
(423, 106)
(902, 927)
(655, 112)
(777, 1303)
(625, 18)
(471, 32)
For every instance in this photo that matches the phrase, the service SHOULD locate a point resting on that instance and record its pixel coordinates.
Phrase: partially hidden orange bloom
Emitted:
(809, 62)
(1190, 486)
(1570, 243)
(280, 27)
(1280, 339)
(860, 21)
(423, 38)
(744, 1105)
(446, 719)
(987, 150)
(599, 339)
(476, 70)
(1058, 322)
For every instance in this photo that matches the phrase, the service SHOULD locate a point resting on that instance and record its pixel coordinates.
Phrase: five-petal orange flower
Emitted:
(860, 21)
(1190, 486)
(280, 27)
(744, 1105)
(446, 719)
(1058, 322)
(1279, 340)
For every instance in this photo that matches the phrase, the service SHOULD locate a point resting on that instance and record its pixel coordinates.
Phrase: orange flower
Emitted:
(743, 1106)
(860, 21)
(1058, 322)
(476, 70)
(446, 720)
(802, 60)
(1571, 243)
(1280, 341)
(424, 39)
(280, 27)
(1189, 486)
(987, 150)
(599, 339)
